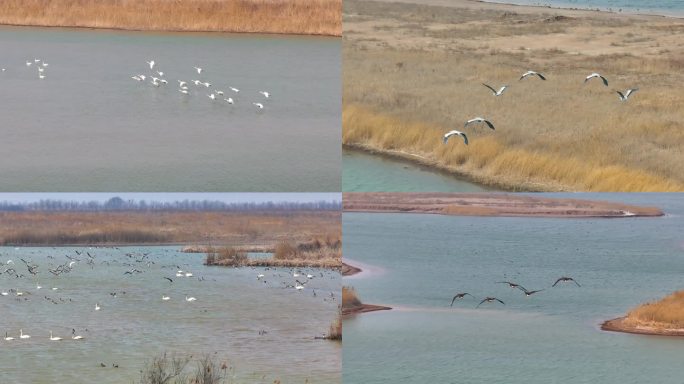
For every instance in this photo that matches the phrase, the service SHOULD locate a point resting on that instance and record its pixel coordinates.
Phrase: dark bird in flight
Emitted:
(460, 296)
(530, 293)
(511, 284)
(561, 279)
(489, 300)
(169, 279)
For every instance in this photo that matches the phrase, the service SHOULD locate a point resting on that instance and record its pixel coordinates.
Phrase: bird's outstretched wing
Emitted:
(500, 301)
(492, 89)
(489, 123)
(541, 76)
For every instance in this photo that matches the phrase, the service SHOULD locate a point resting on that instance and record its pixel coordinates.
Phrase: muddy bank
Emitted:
(620, 325)
(349, 270)
(490, 204)
(351, 311)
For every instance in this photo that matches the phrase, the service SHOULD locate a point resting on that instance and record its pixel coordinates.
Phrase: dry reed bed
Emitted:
(665, 313)
(352, 305)
(414, 72)
(310, 17)
(240, 229)
(320, 252)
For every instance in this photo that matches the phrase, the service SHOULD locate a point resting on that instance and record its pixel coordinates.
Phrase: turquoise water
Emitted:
(364, 172)
(89, 127)
(420, 261)
(660, 7)
(225, 321)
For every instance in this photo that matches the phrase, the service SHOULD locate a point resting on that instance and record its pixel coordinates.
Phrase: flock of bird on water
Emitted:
(183, 85)
(135, 263)
(513, 285)
(155, 81)
(623, 97)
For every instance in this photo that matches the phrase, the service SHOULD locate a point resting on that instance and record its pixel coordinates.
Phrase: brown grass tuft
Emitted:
(665, 313)
(311, 17)
(349, 298)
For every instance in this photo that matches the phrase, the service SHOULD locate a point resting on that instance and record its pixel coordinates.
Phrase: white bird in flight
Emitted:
(479, 120)
(259, 105)
(494, 91)
(151, 63)
(229, 100)
(198, 69)
(181, 83)
(452, 133)
(625, 96)
(234, 89)
(532, 73)
(183, 91)
(266, 94)
(593, 75)
(136, 78)
(212, 96)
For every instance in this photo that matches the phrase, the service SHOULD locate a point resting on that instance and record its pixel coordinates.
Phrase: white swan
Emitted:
(3, 293)
(165, 298)
(479, 120)
(188, 274)
(181, 83)
(625, 96)
(198, 69)
(299, 287)
(189, 298)
(260, 276)
(71, 264)
(266, 94)
(593, 75)
(74, 336)
(136, 78)
(183, 91)
(219, 93)
(22, 336)
(494, 91)
(212, 96)
(532, 73)
(229, 100)
(151, 63)
(8, 338)
(54, 338)
(97, 306)
(41, 76)
(452, 133)
(259, 105)
(234, 89)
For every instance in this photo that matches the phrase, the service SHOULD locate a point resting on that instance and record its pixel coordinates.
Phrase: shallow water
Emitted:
(232, 307)
(660, 7)
(89, 127)
(363, 172)
(420, 261)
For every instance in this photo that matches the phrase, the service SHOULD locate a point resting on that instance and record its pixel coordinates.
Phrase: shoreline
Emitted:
(491, 205)
(568, 7)
(152, 30)
(617, 325)
(349, 270)
(363, 308)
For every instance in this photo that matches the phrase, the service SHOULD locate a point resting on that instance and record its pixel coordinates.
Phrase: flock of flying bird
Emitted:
(132, 264)
(513, 285)
(183, 88)
(479, 120)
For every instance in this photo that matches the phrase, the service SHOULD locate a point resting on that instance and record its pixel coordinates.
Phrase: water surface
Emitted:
(232, 308)
(421, 261)
(363, 172)
(89, 127)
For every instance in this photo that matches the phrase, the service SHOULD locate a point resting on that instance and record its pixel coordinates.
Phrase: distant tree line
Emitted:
(119, 204)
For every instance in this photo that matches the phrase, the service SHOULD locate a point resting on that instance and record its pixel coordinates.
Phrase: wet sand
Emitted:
(492, 204)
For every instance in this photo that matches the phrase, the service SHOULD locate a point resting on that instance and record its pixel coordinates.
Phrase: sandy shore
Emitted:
(414, 70)
(490, 204)
(618, 325)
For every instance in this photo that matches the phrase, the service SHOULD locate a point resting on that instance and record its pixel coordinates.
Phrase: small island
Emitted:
(664, 317)
(352, 305)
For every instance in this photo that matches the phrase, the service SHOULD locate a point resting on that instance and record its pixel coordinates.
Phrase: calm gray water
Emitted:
(364, 172)
(89, 127)
(421, 261)
(232, 307)
(660, 7)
